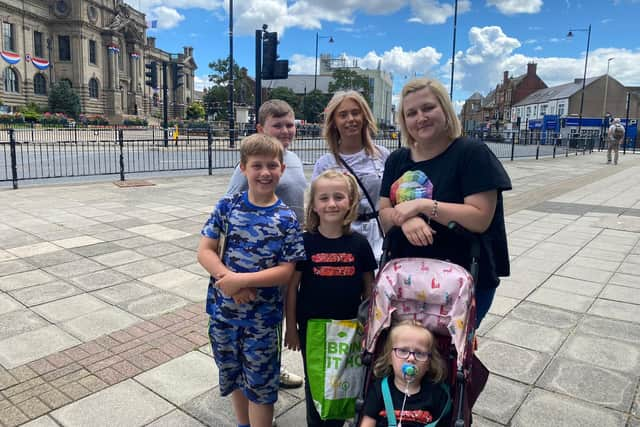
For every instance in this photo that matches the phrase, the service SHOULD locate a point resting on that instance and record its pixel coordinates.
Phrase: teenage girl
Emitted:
(410, 371)
(337, 273)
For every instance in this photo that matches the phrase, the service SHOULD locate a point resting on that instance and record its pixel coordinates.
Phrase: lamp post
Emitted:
(604, 102)
(453, 54)
(315, 74)
(584, 78)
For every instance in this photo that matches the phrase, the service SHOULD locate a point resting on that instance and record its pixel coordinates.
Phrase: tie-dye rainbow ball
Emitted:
(410, 186)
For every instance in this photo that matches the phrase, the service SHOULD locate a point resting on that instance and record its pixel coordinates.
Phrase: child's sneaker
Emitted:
(289, 379)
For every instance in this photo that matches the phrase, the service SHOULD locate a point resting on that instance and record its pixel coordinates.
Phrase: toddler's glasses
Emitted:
(403, 353)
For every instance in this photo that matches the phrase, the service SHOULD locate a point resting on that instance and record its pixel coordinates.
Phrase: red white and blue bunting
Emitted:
(11, 58)
(135, 55)
(113, 48)
(39, 63)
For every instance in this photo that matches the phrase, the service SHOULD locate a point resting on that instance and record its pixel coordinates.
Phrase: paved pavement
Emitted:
(102, 317)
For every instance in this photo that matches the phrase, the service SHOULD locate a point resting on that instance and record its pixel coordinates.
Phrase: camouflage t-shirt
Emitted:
(257, 238)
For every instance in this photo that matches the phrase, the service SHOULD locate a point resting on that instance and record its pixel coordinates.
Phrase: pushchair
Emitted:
(440, 295)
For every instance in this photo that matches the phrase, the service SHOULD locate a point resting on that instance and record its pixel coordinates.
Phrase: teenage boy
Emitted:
(276, 119)
(262, 242)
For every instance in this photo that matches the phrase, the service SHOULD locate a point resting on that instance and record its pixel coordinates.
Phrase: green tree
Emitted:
(345, 79)
(63, 99)
(195, 111)
(288, 95)
(216, 102)
(243, 85)
(313, 106)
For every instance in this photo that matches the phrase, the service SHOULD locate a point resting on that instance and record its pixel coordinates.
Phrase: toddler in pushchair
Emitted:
(437, 297)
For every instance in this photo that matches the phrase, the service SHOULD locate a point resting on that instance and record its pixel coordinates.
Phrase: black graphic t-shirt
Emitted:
(331, 286)
(420, 409)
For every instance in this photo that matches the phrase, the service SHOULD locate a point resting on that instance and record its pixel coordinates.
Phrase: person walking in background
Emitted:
(349, 128)
(441, 177)
(276, 119)
(615, 135)
(249, 246)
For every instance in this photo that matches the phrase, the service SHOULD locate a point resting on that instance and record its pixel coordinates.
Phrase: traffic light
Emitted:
(269, 54)
(178, 75)
(281, 69)
(151, 74)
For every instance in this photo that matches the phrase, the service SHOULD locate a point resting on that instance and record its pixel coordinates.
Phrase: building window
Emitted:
(92, 52)
(543, 110)
(38, 50)
(64, 48)
(561, 109)
(8, 38)
(10, 80)
(39, 84)
(93, 88)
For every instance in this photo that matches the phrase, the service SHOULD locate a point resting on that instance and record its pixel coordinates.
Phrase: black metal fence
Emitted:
(39, 153)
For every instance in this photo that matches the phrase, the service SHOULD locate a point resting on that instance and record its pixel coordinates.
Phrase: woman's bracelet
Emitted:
(434, 210)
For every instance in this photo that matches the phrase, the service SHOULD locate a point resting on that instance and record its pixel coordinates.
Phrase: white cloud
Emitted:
(435, 12)
(512, 7)
(201, 82)
(167, 17)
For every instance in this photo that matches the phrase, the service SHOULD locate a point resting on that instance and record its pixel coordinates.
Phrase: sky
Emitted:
(414, 37)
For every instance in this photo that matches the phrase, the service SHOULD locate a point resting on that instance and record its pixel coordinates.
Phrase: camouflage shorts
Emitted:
(248, 358)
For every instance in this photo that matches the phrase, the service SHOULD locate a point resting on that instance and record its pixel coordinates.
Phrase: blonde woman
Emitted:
(349, 128)
(441, 177)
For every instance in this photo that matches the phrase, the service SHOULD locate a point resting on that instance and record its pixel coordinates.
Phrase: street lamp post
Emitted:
(584, 78)
(453, 54)
(604, 102)
(315, 74)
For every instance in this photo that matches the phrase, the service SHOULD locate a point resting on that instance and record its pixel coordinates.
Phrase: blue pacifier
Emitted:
(409, 370)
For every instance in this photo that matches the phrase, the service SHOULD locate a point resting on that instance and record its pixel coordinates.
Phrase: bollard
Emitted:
(14, 161)
(121, 144)
(513, 145)
(209, 151)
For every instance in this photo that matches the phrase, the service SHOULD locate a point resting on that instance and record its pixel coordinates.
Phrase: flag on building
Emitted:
(11, 58)
(39, 63)
(152, 24)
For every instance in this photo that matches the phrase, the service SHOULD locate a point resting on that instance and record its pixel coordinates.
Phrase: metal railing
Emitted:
(41, 153)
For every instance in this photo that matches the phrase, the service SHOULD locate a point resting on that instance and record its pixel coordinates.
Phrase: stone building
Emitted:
(100, 47)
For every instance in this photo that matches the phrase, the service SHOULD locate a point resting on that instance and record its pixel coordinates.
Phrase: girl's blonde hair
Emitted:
(312, 220)
(437, 368)
(454, 130)
(369, 127)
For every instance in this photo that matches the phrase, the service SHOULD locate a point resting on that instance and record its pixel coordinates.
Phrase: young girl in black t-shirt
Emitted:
(337, 273)
(410, 371)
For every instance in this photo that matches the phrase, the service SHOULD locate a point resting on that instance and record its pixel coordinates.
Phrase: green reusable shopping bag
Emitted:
(334, 366)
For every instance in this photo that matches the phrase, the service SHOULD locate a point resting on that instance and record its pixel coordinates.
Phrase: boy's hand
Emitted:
(230, 283)
(418, 232)
(245, 295)
(291, 339)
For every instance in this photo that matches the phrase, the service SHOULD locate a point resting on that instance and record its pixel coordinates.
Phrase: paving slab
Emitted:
(99, 323)
(547, 409)
(33, 249)
(629, 280)
(74, 268)
(609, 328)
(100, 279)
(20, 349)
(44, 421)
(123, 292)
(182, 379)
(544, 315)
(154, 305)
(600, 386)
(15, 266)
(585, 273)
(127, 403)
(24, 280)
(606, 353)
(8, 304)
(560, 299)
(502, 305)
(97, 249)
(142, 268)
(18, 322)
(176, 418)
(621, 294)
(69, 308)
(616, 310)
(156, 249)
(113, 259)
(170, 278)
(75, 242)
(52, 258)
(500, 399)
(531, 336)
(524, 365)
(44, 293)
(574, 286)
